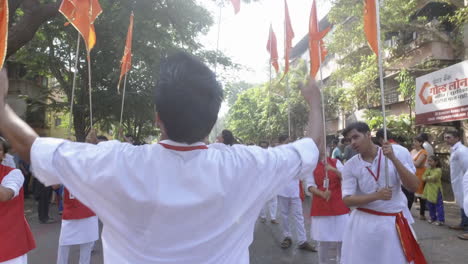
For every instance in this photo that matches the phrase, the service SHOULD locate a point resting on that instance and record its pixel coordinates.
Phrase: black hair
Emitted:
(129, 135)
(102, 138)
(228, 137)
(5, 144)
(264, 142)
(187, 98)
(360, 127)
(425, 136)
(282, 138)
(419, 139)
(436, 159)
(380, 134)
(335, 141)
(453, 133)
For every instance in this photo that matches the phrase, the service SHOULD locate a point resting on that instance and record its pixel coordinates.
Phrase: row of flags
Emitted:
(317, 50)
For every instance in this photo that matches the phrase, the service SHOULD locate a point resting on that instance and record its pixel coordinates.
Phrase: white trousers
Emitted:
(19, 260)
(85, 253)
(329, 252)
(272, 206)
(292, 207)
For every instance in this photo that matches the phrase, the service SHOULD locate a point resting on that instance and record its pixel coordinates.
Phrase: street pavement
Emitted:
(440, 244)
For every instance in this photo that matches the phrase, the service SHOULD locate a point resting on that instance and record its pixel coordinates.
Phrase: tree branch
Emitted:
(35, 14)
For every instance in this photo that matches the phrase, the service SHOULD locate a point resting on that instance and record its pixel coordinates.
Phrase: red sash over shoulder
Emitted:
(16, 238)
(408, 242)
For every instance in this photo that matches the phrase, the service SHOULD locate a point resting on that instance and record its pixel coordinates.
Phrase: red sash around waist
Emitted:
(409, 244)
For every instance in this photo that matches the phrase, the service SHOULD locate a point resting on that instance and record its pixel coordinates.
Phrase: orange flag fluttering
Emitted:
(370, 25)
(316, 45)
(126, 63)
(236, 5)
(81, 14)
(3, 30)
(288, 37)
(272, 48)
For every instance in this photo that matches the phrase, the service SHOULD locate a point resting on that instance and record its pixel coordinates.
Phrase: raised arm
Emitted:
(19, 134)
(314, 128)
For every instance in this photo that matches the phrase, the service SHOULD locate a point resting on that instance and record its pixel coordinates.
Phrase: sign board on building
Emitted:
(442, 96)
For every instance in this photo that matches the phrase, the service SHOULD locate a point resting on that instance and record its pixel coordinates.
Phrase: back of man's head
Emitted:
(282, 139)
(380, 134)
(187, 98)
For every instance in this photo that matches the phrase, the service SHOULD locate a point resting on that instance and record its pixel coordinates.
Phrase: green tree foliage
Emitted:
(160, 28)
(261, 112)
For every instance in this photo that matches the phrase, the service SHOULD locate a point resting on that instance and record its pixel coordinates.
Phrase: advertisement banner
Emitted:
(442, 96)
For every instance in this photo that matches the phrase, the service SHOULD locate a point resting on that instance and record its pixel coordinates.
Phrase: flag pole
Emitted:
(123, 100)
(325, 162)
(382, 90)
(90, 92)
(269, 86)
(75, 72)
(217, 39)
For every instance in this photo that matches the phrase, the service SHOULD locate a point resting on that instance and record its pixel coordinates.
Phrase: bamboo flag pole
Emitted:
(325, 162)
(90, 92)
(72, 101)
(123, 100)
(382, 90)
(217, 39)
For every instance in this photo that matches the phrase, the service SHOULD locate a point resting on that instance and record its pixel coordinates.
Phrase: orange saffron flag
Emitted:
(126, 63)
(316, 45)
(3, 30)
(370, 25)
(288, 37)
(236, 5)
(272, 48)
(82, 14)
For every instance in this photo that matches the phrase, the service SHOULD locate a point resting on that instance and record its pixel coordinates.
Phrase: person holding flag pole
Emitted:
(379, 229)
(329, 215)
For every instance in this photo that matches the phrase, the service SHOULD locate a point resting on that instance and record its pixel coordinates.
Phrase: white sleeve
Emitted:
(349, 182)
(404, 156)
(310, 181)
(267, 171)
(14, 181)
(96, 174)
(465, 192)
(464, 159)
(339, 166)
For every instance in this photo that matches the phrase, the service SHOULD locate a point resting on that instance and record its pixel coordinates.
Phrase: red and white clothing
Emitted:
(16, 238)
(172, 202)
(371, 238)
(79, 227)
(329, 218)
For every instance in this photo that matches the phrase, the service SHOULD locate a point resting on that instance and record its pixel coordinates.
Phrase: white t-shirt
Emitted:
(458, 168)
(160, 205)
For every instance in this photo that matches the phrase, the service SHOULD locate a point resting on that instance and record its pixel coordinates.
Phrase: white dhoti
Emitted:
(371, 239)
(292, 206)
(19, 260)
(83, 232)
(272, 207)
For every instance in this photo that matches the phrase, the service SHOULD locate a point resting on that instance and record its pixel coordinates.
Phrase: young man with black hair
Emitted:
(184, 202)
(458, 168)
(378, 230)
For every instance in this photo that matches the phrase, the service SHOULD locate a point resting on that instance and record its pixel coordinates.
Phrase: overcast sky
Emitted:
(243, 37)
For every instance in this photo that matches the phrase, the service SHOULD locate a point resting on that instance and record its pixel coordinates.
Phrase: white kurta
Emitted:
(19, 260)
(370, 238)
(465, 190)
(458, 167)
(79, 231)
(165, 206)
(327, 228)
